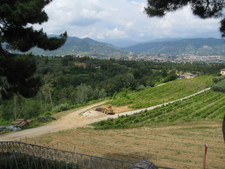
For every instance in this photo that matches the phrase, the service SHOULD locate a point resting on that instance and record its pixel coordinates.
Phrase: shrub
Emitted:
(140, 87)
(61, 107)
(220, 86)
(218, 79)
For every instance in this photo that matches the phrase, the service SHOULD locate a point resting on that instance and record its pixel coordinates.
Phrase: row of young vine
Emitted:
(206, 106)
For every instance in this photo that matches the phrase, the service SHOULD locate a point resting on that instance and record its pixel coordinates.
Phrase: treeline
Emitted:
(70, 81)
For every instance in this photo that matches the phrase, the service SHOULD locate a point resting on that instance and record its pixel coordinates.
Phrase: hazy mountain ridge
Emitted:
(171, 47)
(84, 46)
(198, 46)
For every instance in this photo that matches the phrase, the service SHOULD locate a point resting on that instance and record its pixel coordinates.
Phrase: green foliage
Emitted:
(140, 87)
(76, 81)
(4, 122)
(61, 107)
(16, 15)
(17, 71)
(121, 98)
(16, 76)
(164, 93)
(219, 86)
(22, 108)
(218, 79)
(203, 9)
(86, 93)
(171, 76)
(206, 106)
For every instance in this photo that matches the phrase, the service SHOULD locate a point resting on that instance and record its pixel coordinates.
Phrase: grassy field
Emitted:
(206, 106)
(164, 93)
(177, 146)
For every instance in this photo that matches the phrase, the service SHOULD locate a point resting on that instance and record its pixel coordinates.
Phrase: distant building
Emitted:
(84, 65)
(187, 76)
(222, 71)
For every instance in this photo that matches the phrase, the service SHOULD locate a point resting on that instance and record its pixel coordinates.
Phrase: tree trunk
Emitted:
(50, 97)
(15, 106)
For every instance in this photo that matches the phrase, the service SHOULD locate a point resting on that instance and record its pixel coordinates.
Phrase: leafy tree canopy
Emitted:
(201, 8)
(17, 33)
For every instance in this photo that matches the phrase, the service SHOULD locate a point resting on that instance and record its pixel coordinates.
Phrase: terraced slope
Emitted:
(209, 105)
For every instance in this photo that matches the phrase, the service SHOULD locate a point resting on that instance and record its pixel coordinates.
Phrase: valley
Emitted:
(161, 50)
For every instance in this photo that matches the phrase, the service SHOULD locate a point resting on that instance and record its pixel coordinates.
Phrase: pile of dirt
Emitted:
(91, 113)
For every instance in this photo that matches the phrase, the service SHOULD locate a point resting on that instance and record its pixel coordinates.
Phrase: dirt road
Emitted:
(76, 119)
(72, 120)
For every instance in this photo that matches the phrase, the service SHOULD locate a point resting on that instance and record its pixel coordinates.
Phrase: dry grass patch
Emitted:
(176, 146)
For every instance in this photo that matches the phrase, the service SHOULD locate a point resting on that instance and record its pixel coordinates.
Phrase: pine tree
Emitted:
(17, 33)
(202, 8)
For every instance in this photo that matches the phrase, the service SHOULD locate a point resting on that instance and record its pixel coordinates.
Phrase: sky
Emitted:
(123, 20)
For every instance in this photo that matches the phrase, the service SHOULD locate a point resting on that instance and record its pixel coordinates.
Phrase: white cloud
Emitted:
(123, 19)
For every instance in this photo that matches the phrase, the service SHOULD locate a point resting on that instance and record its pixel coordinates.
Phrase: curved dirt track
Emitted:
(70, 121)
(76, 120)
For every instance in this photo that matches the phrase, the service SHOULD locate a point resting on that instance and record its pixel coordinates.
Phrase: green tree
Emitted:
(47, 89)
(83, 93)
(202, 8)
(17, 34)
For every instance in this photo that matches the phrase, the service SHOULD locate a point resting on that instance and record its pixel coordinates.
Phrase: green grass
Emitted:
(4, 122)
(167, 92)
(206, 106)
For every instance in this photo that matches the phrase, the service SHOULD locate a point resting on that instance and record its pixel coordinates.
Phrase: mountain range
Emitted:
(198, 46)
(171, 47)
(86, 46)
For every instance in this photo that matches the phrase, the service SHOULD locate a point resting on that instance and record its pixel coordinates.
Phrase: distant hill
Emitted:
(172, 47)
(86, 46)
(198, 46)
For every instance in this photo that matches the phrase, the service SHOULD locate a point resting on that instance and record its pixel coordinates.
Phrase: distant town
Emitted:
(179, 58)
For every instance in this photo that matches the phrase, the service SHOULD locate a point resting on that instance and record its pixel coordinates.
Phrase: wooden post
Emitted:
(223, 128)
(205, 152)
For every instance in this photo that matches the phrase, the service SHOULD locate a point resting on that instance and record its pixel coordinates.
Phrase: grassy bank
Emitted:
(164, 93)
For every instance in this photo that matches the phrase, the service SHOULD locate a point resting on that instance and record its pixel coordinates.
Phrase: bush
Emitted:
(219, 87)
(61, 107)
(218, 79)
(140, 87)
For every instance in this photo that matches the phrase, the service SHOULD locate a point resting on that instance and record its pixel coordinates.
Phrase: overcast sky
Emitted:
(108, 20)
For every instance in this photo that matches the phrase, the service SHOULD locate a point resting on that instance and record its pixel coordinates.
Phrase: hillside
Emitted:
(199, 46)
(170, 136)
(170, 91)
(202, 107)
(86, 46)
(164, 135)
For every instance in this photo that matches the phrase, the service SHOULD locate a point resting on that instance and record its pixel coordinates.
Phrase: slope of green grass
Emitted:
(206, 106)
(167, 92)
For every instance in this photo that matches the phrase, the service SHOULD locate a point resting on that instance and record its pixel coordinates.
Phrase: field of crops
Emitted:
(164, 93)
(209, 105)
